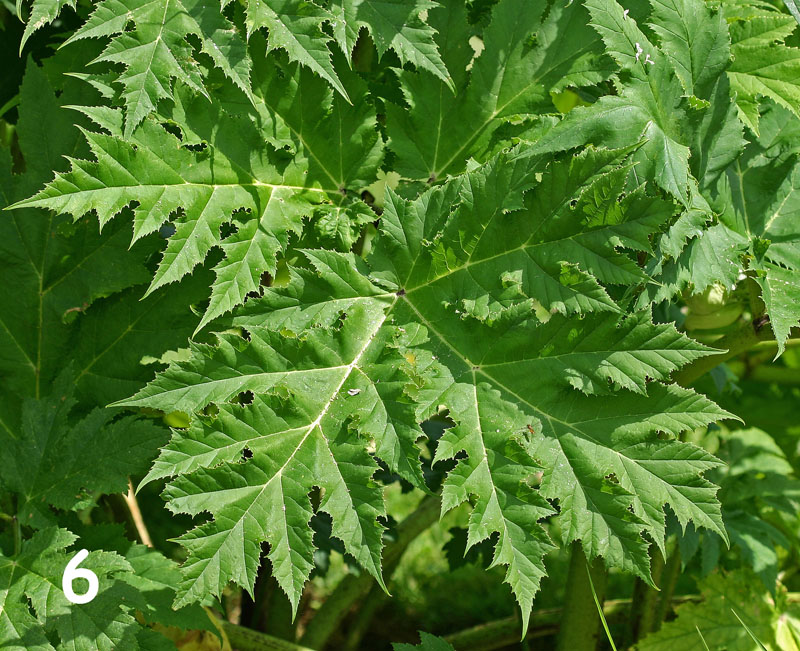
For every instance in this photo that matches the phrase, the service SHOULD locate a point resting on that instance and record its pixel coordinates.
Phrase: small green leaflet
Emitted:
(296, 27)
(393, 24)
(33, 607)
(43, 12)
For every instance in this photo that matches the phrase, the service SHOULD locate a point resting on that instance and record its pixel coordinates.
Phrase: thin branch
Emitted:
(136, 516)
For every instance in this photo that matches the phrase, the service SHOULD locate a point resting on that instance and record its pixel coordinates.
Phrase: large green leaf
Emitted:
(345, 362)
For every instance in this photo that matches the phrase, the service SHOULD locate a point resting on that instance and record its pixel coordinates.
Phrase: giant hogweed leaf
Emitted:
(255, 189)
(346, 360)
(513, 75)
(54, 271)
(651, 102)
(157, 51)
(393, 24)
(763, 66)
(762, 200)
(69, 295)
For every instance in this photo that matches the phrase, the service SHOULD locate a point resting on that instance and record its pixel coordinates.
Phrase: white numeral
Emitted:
(73, 572)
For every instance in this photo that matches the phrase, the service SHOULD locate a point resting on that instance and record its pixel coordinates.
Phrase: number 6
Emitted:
(72, 572)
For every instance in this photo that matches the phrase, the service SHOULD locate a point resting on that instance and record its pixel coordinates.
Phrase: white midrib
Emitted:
(348, 369)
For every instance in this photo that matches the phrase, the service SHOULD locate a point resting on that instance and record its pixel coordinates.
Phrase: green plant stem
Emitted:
(17, 535)
(645, 599)
(757, 306)
(777, 374)
(736, 343)
(375, 599)
(772, 344)
(580, 621)
(672, 572)
(246, 639)
(353, 588)
(505, 632)
(498, 634)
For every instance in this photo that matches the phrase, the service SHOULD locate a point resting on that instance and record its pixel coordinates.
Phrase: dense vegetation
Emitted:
(488, 305)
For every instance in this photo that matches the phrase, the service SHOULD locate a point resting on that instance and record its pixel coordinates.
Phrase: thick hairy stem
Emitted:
(645, 603)
(353, 588)
(375, 599)
(672, 572)
(580, 621)
(505, 632)
(246, 639)
(776, 374)
(736, 343)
